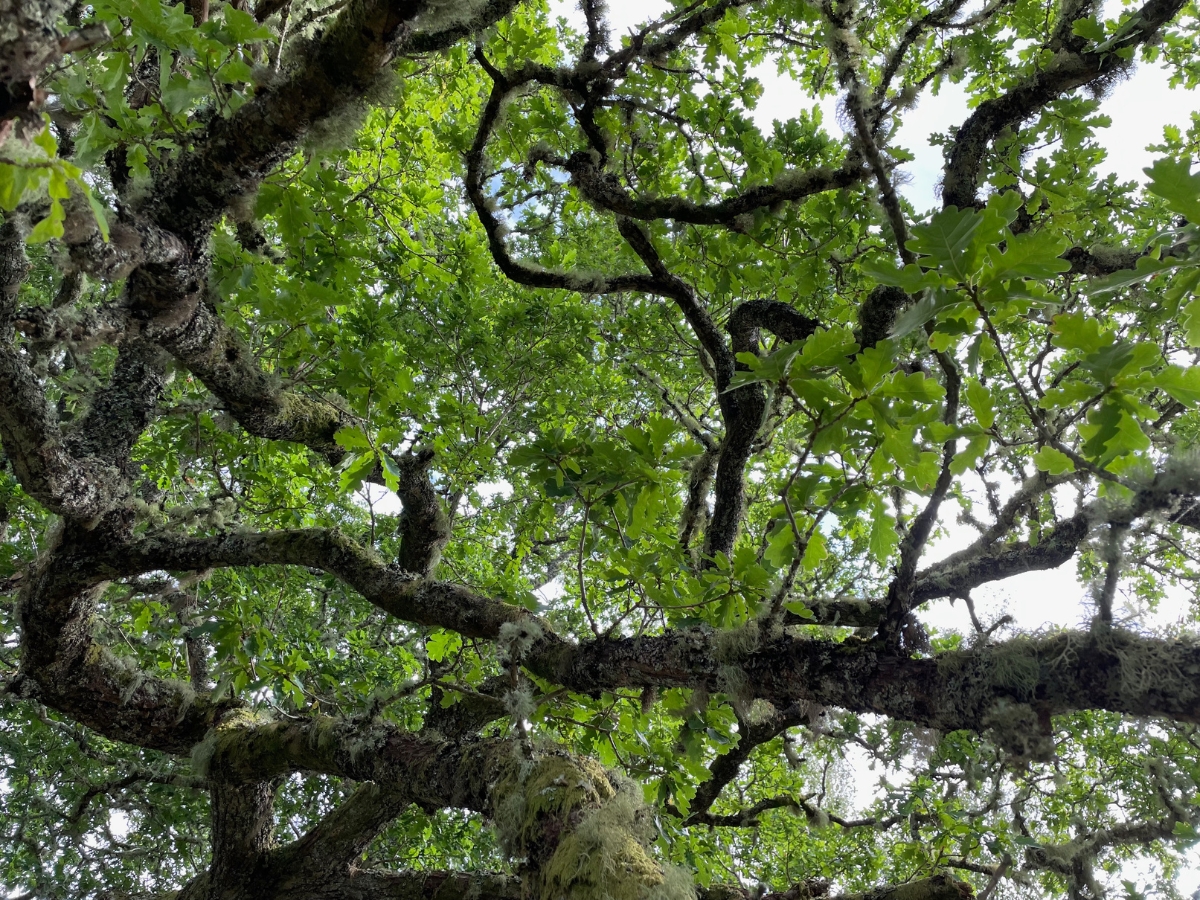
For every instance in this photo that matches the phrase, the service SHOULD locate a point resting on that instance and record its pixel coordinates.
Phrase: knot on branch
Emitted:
(877, 315)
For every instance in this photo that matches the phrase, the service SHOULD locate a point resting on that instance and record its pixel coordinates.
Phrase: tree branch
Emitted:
(1066, 71)
(391, 588)
(81, 489)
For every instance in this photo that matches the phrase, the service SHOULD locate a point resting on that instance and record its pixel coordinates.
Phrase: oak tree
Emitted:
(448, 453)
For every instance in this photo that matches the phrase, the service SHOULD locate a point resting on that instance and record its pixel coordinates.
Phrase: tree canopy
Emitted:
(451, 455)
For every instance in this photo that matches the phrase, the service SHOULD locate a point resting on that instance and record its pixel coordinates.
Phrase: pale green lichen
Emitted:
(817, 818)
(593, 825)
(323, 733)
(607, 856)
(517, 638)
(736, 685)
(1146, 666)
(602, 856)
(759, 711)
(202, 753)
(731, 644)
(439, 14)
(223, 737)
(307, 414)
(1014, 666)
(520, 704)
(554, 785)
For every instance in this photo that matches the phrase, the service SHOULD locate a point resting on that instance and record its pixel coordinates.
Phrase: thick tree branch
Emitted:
(80, 489)
(1066, 71)
(235, 153)
(1065, 672)
(219, 357)
(956, 577)
(441, 38)
(743, 409)
(391, 588)
(341, 837)
(424, 526)
(122, 409)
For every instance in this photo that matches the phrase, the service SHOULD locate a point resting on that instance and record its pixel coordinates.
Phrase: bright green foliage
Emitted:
(567, 424)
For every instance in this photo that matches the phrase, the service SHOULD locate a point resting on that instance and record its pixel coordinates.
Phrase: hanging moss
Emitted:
(1146, 667)
(585, 834)
(732, 644)
(553, 786)
(1014, 665)
(602, 857)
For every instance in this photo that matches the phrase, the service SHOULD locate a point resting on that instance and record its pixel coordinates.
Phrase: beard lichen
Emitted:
(584, 833)
(1014, 666)
(1147, 666)
(517, 639)
(732, 644)
(531, 791)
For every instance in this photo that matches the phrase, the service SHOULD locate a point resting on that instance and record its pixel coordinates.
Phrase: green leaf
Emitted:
(979, 398)
(915, 388)
(13, 180)
(814, 551)
(947, 241)
(1190, 319)
(58, 187)
(242, 27)
(883, 539)
(1087, 27)
(49, 227)
(1055, 462)
(100, 214)
(1076, 331)
(645, 510)
(441, 643)
(872, 365)
(1004, 207)
(1172, 179)
(827, 347)
(781, 548)
(351, 439)
(1146, 267)
(1110, 432)
(1029, 256)
(924, 310)
(912, 278)
(968, 456)
(357, 467)
(391, 472)
(1183, 384)
(46, 141)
